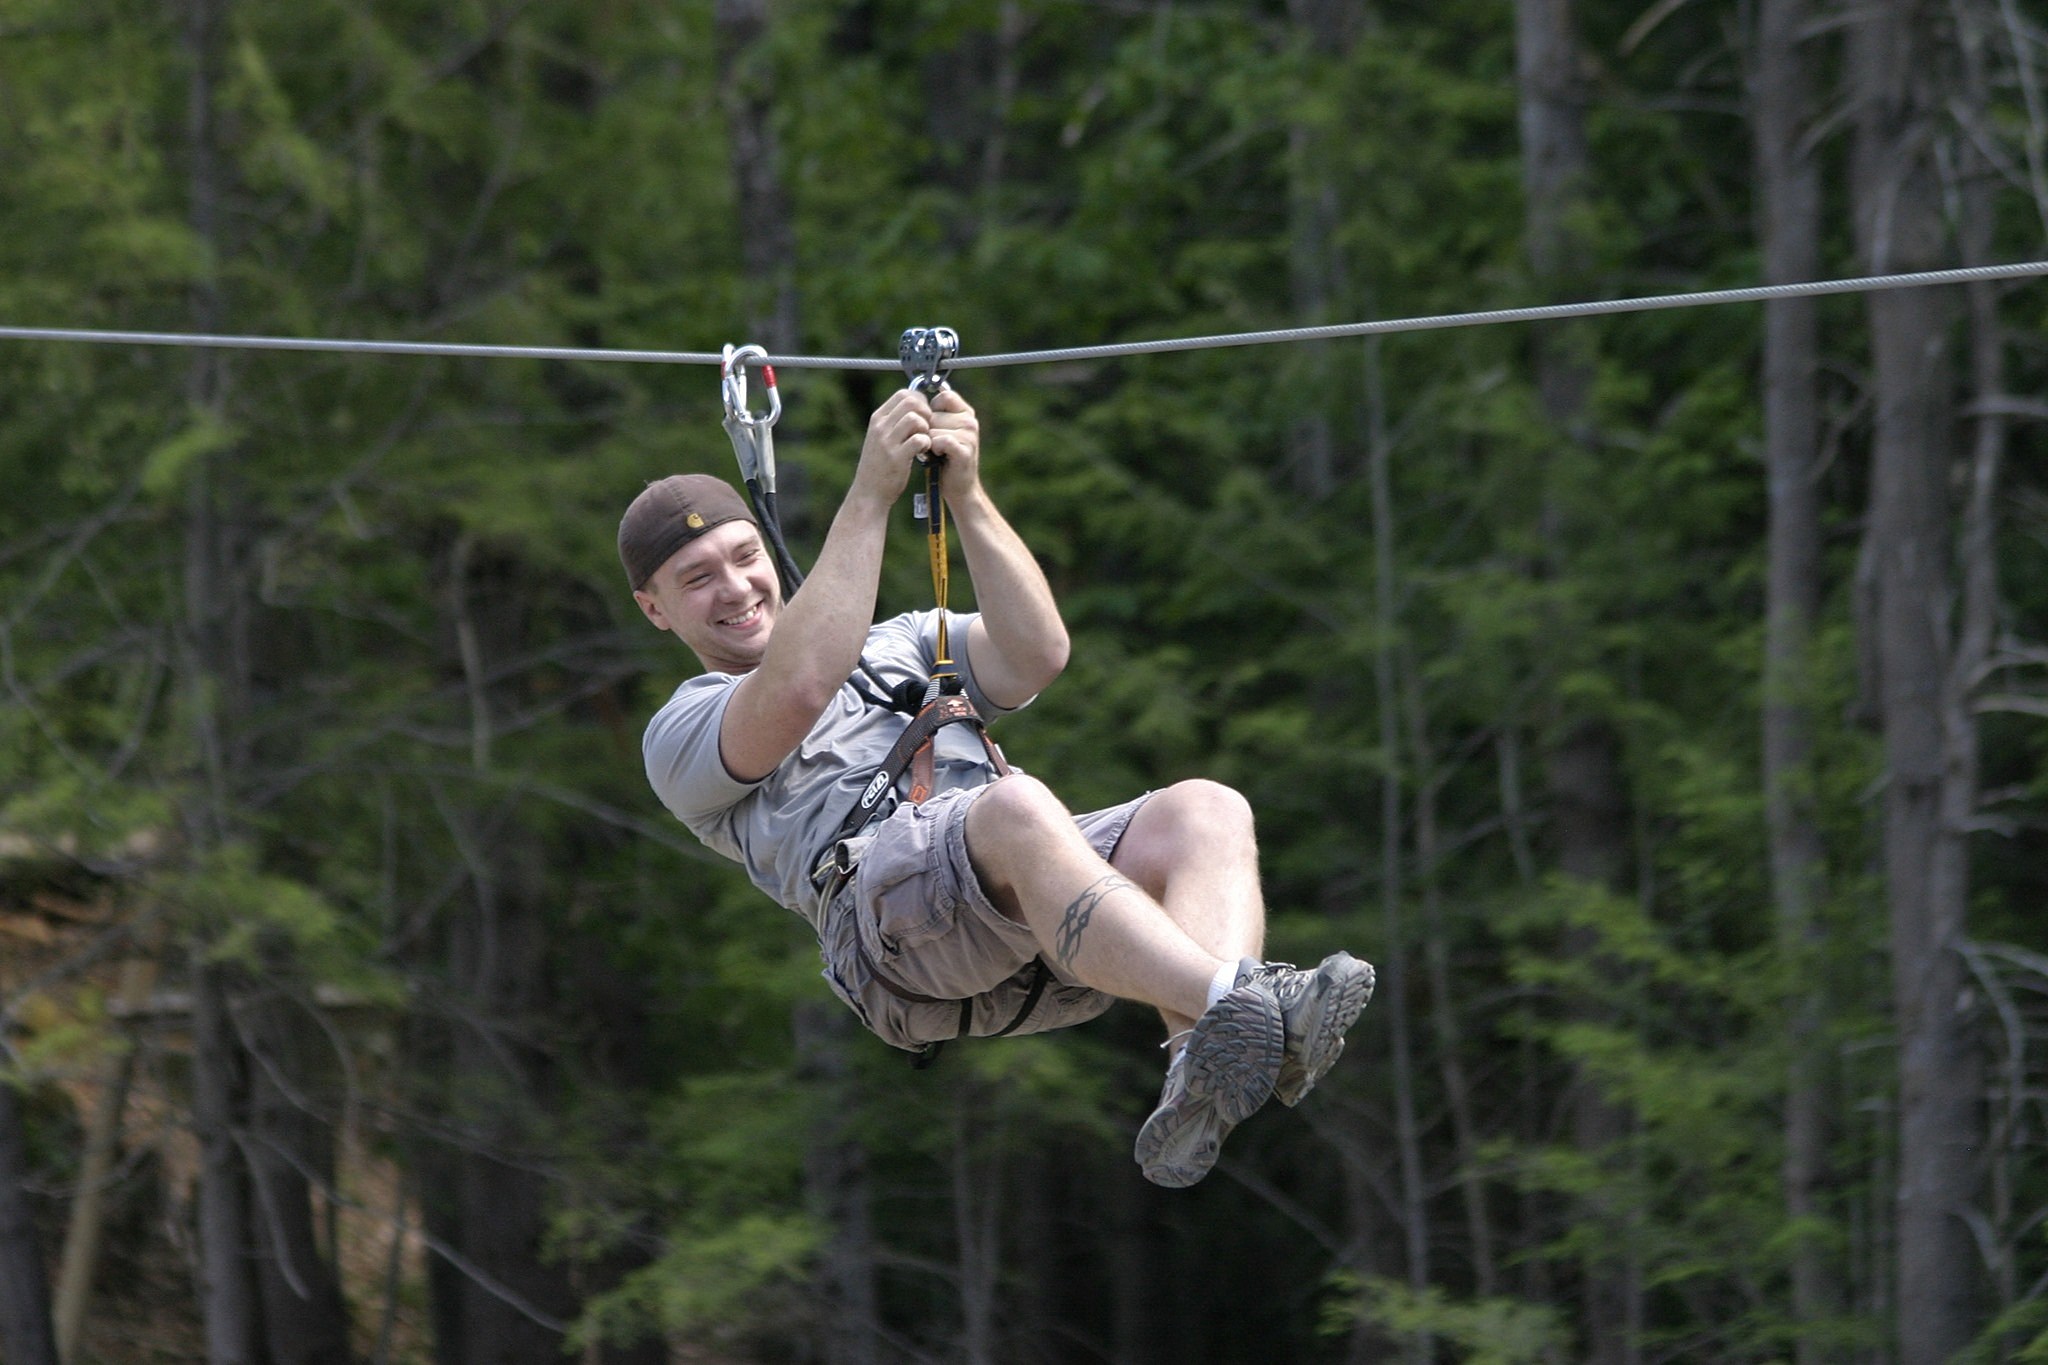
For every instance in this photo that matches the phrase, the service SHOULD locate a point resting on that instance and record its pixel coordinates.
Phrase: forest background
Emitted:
(1656, 700)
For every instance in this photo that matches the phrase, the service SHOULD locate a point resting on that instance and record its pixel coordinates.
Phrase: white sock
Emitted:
(1222, 983)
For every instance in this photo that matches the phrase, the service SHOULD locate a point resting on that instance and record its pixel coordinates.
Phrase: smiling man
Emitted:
(987, 907)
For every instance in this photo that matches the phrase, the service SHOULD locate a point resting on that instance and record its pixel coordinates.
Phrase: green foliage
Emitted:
(165, 469)
(1478, 1331)
(247, 912)
(2018, 1335)
(704, 1279)
(392, 748)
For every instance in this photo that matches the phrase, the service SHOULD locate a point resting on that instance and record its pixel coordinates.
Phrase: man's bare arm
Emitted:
(818, 636)
(1018, 643)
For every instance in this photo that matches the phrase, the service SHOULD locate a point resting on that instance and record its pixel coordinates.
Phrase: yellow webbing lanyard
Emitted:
(925, 353)
(935, 539)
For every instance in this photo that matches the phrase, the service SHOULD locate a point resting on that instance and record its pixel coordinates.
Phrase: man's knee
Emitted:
(1204, 811)
(1187, 822)
(1011, 819)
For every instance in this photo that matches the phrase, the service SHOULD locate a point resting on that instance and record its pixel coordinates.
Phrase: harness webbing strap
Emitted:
(953, 707)
(1039, 976)
(929, 1053)
(913, 751)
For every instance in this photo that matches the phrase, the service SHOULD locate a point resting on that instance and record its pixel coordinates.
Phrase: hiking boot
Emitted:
(1221, 1077)
(1318, 1006)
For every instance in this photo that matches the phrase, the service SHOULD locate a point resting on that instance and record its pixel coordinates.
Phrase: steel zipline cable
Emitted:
(1556, 312)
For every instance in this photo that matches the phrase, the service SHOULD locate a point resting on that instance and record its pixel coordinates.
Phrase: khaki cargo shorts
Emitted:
(915, 947)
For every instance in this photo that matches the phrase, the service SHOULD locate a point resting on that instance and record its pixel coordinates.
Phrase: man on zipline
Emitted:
(986, 907)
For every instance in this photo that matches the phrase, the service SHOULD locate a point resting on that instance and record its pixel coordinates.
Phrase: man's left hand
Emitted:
(956, 438)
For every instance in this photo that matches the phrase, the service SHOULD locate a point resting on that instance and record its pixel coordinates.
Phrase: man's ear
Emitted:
(651, 609)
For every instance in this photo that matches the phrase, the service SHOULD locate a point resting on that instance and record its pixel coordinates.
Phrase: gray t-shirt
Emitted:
(778, 828)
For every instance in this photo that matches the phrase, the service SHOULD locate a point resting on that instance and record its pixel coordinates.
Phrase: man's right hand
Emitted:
(898, 433)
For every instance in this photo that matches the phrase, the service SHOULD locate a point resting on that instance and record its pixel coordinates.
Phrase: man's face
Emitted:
(718, 595)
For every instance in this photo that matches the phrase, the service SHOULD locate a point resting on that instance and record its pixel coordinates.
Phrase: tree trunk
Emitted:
(836, 1189)
(1975, 197)
(1130, 1255)
(503, 1301)
(251, 1199)
(1011, 26)
(305, 1321)
(80, 1258)
(434, 1169)
(509, 1303)
(1899, 227)
(746, 92)
(26, 1333)
(79, 1264)
(1315, 265)
(1551, 117)
(1925, 858)
(1443, 1008)
(228, 1298)
(1589, 814)
(1371, 1248)
(1393, 885)
(1588, 808)
(1788, 222)
(977, 1205)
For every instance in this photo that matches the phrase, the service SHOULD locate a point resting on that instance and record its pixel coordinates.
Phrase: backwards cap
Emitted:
(669, 514)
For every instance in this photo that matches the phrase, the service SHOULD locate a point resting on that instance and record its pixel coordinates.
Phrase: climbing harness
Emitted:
(944, 700)
(933, 703)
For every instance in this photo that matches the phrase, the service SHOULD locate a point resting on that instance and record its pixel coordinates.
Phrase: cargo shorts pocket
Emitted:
(847, 995)
(901, 884)
(911, 1024)
(838, 947)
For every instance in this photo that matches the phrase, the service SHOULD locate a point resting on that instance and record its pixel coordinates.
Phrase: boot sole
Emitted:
(1231, 1063)
(1341, 990)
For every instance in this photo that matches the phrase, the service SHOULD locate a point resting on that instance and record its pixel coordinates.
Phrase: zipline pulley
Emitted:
(926, 354)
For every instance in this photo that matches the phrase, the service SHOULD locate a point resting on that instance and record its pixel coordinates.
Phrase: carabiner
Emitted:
(753, 435)
(926, 352)
(732, 372)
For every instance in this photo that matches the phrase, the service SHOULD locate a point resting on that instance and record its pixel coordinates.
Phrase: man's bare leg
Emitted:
(1090, 919)
(1104, 931)
(1158, 923)
(1191, 847)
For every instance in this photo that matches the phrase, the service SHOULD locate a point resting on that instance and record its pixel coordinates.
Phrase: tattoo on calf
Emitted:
(1067, 941)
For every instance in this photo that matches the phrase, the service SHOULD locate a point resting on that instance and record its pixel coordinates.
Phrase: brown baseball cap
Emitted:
(669, 514)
